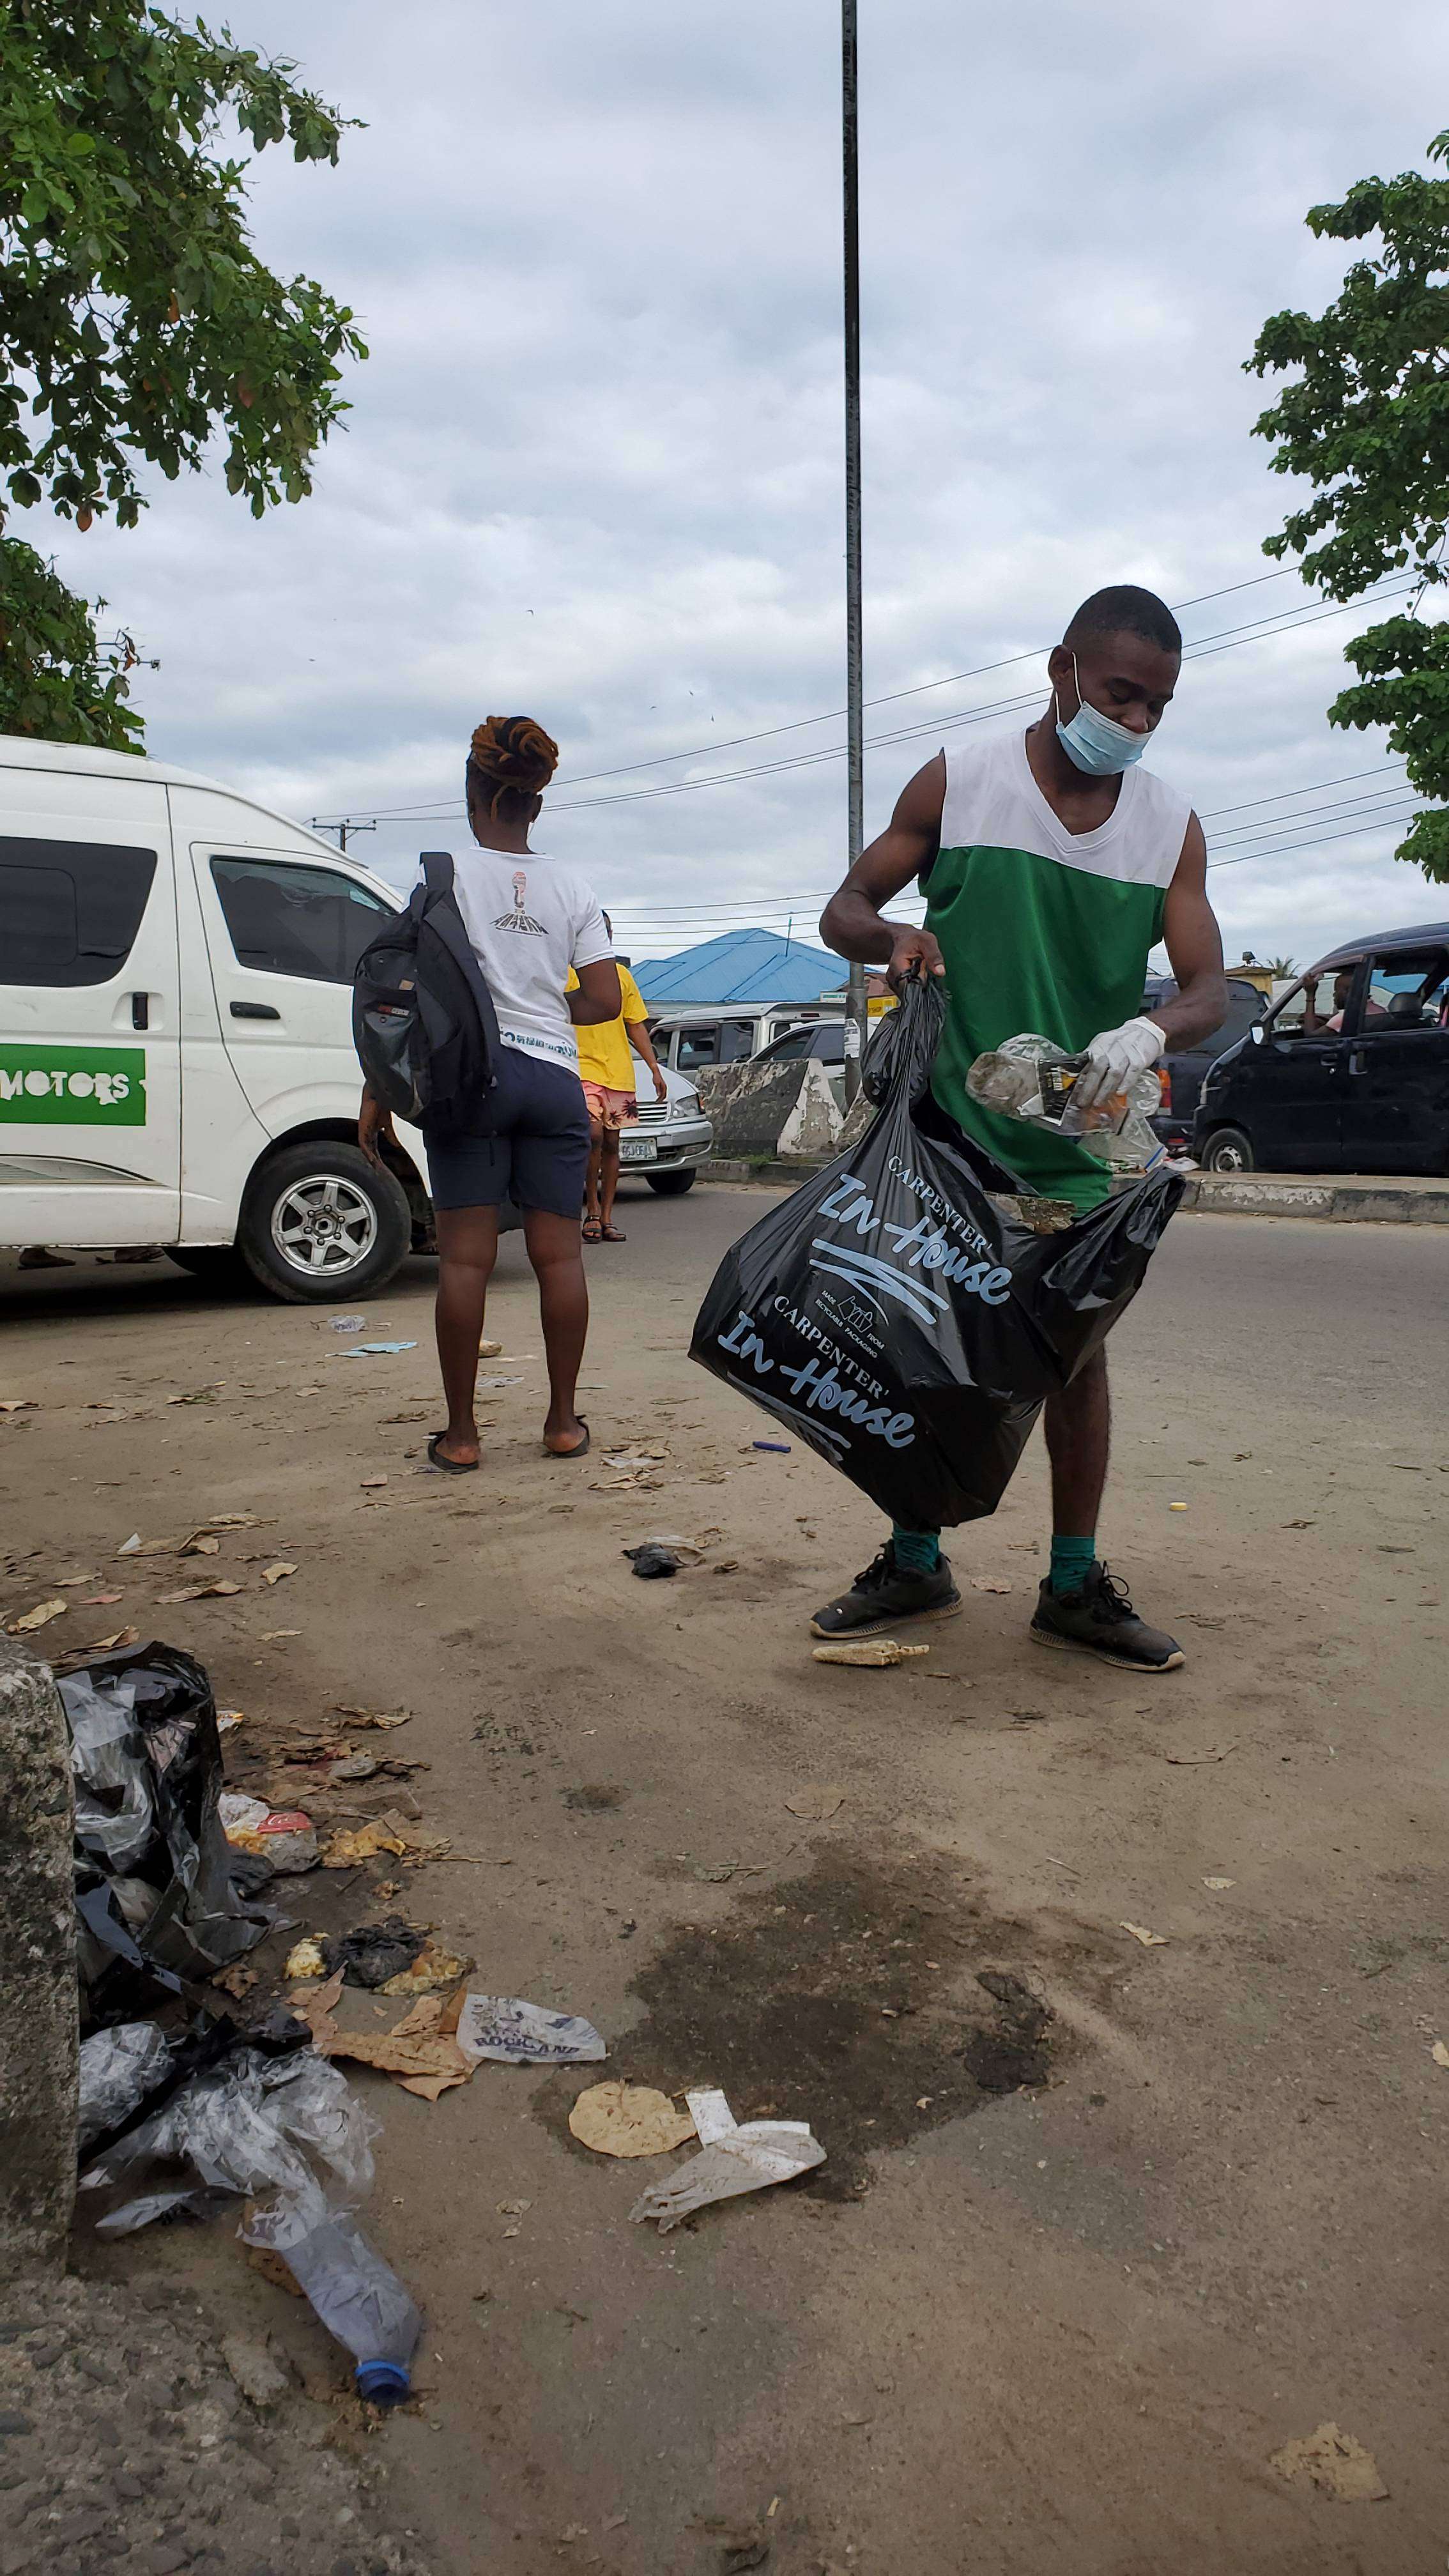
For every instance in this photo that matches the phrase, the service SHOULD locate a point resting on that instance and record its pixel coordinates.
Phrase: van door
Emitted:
(1288, 1093)
(90, 1070)
(1396, 1115)
(284, 934)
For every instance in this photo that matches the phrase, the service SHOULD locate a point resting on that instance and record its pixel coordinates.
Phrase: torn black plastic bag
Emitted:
(899, 1322)
(148, 1773)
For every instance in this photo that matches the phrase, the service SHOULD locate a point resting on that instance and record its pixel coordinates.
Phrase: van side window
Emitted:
(290, 920)
(698, 1046)
(1406, 992)
(70, 909)
(1314, 1008)
(736, 1041)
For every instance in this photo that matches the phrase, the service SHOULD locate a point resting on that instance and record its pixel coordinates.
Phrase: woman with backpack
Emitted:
(528, 919)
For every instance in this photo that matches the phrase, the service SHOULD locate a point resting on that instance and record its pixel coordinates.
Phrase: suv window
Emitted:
(1407, 992)
(71, 909)
(291, 920)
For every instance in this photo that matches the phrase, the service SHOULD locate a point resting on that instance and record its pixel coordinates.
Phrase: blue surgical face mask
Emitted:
(1097, 743)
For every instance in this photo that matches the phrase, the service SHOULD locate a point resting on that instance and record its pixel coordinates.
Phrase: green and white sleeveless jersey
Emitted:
(1042, 929)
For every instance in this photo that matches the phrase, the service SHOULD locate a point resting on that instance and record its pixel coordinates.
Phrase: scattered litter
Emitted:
(732, 2160)
(1220, 1882)
(1335, 2462)
(433, 1972)
(629, 2120)
(218, 1591)
(369, 1955)
(1439, 2053)
(305, 1961)
(488, 1350)
(1181, 1507)
(118, 1639)
(44, 1612)
(201, 1543)
(648, 1562)
(1149, 1940)
(684, 1549)
(378, 1350)
(1299, 1524)
(875, 1652)
(277, 1573)
(369, 1484)
(347, 1849)
(988, 1583)
(420, 2053)
(130, 1546)
(199, 1394)
(236, 1982)
(1218, 1753)
(240, 1815)
(101, 1600)
(18, 1404)
(633, 1462)
(815, 1802)
(372, 1716)
(118, 2068)
(515, 2033)
(419, 1414)
(270, 1635)
(780, 1448)
(347, 1323)
(489, 1381)
(157, 1881)
(227, 1718)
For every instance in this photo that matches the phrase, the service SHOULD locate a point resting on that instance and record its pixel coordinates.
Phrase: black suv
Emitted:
(1348, 1073)
(1185, 1067)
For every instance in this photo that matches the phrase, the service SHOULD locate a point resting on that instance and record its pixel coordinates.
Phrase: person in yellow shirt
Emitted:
(606, 1070)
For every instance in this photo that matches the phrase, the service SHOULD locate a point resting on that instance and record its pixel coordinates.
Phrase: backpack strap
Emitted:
(439, 908)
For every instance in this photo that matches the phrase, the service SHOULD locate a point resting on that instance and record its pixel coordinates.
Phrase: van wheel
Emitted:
(1229, 1150)
(216, 1265)
(319, 1221)
(670, 1185)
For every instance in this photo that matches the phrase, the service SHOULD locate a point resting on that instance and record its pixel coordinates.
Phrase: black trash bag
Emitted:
(898, 1322)
(147, 1763)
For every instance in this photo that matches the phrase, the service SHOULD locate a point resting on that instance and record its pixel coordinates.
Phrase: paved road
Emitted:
(1055, 2327)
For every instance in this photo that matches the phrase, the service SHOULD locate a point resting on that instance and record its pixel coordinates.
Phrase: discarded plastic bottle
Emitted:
(358, 2298)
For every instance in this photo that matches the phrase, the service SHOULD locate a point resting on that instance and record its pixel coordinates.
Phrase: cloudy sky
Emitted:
(593, 472)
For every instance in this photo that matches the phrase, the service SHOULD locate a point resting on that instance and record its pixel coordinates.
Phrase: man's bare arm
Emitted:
(1194, 949)
(853, 923)
(597, 995)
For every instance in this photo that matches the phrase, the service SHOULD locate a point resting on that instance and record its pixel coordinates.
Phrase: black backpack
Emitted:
(423, 1020)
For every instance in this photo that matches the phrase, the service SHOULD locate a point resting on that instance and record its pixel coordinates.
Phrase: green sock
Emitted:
(916, 1551)
(1072, 1562)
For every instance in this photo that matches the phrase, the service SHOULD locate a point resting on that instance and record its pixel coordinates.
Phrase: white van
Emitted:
(176, 1060)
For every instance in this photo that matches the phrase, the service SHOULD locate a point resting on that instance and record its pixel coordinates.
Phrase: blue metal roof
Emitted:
(741, 966)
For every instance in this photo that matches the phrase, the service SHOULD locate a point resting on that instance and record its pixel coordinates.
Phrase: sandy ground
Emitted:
(1061, 2326)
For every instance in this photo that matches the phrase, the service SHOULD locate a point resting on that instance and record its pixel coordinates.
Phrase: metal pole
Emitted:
(855, 1006)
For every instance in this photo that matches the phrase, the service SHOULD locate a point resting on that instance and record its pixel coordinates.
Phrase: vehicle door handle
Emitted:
(140, 1010)
(254, 1011)
(1355, 1061)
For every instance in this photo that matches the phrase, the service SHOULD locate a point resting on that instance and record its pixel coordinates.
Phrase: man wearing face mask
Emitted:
(1051, 864)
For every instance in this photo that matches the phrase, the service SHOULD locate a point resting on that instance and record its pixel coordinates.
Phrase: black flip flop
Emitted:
(582, 1450)
(448, 1466)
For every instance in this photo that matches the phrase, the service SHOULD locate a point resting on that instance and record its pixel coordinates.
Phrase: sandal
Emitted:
(593, 1231)
(449, 1466)
(581, 1451)
(611, 1234)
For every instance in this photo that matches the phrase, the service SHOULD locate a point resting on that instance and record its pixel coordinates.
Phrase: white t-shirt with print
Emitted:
(530, 919)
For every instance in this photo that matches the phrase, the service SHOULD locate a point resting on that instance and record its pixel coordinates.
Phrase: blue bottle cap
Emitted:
(382, 2383)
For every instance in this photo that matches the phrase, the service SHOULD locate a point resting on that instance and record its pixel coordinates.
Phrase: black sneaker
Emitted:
(886, 1594)
(1098, 1619)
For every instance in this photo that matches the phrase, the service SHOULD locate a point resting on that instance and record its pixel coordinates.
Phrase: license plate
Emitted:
(638, 1149)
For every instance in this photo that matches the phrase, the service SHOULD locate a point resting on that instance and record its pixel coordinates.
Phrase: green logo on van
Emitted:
(68, 1086)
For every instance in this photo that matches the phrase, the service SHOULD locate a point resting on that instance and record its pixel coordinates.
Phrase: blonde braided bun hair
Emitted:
(510, 756)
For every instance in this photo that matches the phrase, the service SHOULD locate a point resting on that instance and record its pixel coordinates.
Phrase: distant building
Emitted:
(741, 967)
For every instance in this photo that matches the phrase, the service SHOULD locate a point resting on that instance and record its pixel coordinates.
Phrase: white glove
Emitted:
(1113, 1057)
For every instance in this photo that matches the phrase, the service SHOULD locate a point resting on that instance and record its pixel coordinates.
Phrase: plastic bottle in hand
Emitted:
(358, 2298)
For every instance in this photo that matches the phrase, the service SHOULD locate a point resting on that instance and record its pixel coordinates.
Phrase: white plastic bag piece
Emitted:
(249, 2125)
(516, 2033)
(732, 2160)
(118, 2068)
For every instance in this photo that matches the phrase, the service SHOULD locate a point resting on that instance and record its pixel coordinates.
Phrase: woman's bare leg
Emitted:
(556, 1252)
(467, 1250)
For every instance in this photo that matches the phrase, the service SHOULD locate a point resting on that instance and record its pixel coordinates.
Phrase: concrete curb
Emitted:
(1331, 1198)
(38, 2014)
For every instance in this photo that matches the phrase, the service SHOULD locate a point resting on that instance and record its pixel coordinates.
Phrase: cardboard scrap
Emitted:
(1439, 2053)
(988, 1583)
(372, 1716)
(202, 1592)
(278, 1572)
(346, 1850)
(629, 2120)
(1336, 2463)
(421, 2053)
(1149, 1940)
(874, 1652)
(39, 1617)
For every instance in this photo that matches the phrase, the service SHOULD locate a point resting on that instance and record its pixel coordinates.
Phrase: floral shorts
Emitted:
(608, 1109)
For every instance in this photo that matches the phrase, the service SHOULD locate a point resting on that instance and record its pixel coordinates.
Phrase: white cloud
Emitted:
(593, 470)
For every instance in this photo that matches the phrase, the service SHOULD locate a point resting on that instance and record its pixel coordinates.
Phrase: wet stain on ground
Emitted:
(875, 1998)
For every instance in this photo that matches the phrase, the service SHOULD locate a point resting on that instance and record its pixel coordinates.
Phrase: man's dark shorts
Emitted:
(537, 1150)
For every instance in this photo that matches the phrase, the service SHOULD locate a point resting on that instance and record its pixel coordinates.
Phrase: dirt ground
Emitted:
(1102, 2225)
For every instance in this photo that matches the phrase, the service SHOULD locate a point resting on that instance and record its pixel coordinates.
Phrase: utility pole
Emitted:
(855, 1007)
(342, 829)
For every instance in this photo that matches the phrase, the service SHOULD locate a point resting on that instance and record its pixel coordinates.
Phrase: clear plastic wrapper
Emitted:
(118, 2068)
(249, 2126)
(1031, 1078)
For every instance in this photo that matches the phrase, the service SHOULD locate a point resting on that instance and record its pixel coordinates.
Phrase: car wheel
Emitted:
(216, 1265)
(320, 1221)
(670, 1185)
(1229, 1151)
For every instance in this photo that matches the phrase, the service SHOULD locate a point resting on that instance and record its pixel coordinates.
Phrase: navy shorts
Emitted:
(537, 1150)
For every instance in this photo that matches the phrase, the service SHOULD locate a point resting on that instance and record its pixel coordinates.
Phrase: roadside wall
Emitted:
(38, 2023)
